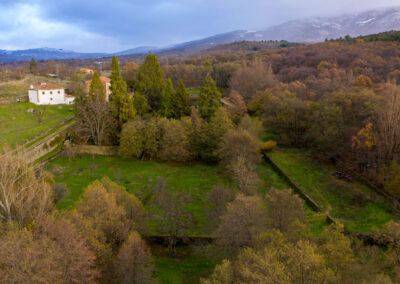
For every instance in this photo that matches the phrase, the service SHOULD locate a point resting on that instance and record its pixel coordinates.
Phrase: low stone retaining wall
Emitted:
(45, 147)
(95, 150)
(310, 202)
(299, 191)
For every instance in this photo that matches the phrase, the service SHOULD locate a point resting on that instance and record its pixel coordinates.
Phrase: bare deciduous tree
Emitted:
(284, 209)
(174, 218)
(76, 260)
(253, 77)
(245, 176)
(94, 121)
(218, 198)
(24, 196)
(39, 112)
(134, 263)
(388, 124)
(244, 219)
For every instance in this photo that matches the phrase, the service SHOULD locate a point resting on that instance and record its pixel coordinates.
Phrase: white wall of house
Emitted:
(69, 100)
(33, 96)
(107, 89)
(47, 97)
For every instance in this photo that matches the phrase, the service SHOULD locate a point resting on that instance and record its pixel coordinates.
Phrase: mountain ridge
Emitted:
(307, 30)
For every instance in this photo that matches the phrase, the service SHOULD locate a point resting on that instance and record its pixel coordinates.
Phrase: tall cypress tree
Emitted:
(150, 81)
(168, 107)
(181, 101)
(96, 90)
(210, 98)
(121, 103)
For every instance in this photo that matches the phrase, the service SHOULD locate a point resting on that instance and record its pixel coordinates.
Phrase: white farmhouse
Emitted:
(48, 94)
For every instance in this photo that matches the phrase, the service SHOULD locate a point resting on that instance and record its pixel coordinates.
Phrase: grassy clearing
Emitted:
(357, 206)
(188, 266)
(19, 88)
(140, 178)
(18, 126)
(12, 90)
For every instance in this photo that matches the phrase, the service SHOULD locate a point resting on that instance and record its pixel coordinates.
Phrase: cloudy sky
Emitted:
(110, 26)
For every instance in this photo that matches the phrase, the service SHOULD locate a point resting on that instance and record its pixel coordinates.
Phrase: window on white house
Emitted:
(43, 93)
(51, 92)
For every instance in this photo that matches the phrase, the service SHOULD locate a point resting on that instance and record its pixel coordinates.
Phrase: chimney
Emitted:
(43, 84)
(31, 86)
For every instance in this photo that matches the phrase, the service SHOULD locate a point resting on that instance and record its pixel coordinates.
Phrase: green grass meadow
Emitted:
(188, 266)
(352, 203)
(18, 126)
(140, 177)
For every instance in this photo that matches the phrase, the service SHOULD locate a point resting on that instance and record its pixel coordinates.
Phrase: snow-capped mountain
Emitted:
(317, 29)
(304, 30)
(308, 30)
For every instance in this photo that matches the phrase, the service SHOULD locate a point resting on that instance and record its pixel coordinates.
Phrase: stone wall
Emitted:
(95, 150)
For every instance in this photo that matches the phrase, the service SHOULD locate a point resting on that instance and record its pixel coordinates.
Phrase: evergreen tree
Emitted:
(150, 81)
(209, 99)
(181, 101)
(96, 89)
(208, 69)
(141, 104)
(168, 106)
(121, 103)
(33, 66)
(80, 98)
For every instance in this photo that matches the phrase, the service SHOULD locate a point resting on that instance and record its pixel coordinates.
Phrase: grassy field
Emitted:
(139, 177)
(188, 266)
(357, 206)
(17, 126)
(13, 90)
(19, 88)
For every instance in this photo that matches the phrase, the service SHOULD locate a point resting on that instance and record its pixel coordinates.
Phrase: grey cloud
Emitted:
(125, 24)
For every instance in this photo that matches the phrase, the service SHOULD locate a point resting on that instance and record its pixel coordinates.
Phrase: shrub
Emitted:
(268, 146)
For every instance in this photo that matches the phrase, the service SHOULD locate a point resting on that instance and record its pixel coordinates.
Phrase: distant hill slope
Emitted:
(318, 29)
(304, 30)
(315, 29)
(385, 36)
(44, 54)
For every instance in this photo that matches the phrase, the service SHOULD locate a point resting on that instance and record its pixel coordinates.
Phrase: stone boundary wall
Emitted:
(95, 150)
(46, 146)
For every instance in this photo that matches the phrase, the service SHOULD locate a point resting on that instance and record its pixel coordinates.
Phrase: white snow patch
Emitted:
(366, 21)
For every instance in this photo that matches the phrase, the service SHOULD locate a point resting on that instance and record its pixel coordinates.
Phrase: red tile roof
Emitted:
(46, 86)
(102, 79)
(105, 79)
